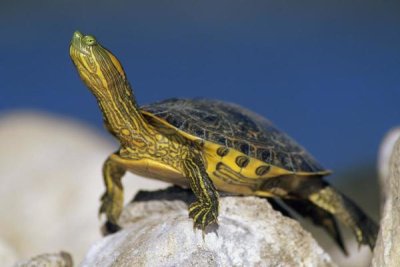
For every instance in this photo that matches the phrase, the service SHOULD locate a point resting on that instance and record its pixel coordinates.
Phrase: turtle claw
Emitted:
(110, 228)
(110, 207)
(203, 214)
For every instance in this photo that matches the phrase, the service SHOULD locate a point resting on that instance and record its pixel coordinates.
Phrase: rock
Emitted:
(51, 183)
(387, 250)
(385, 153)
(158, 232)
(61, 259)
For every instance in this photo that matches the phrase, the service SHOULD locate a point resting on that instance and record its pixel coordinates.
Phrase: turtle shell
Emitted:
(236, 127)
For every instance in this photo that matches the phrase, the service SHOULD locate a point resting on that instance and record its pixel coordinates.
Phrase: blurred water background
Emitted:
(326, 72)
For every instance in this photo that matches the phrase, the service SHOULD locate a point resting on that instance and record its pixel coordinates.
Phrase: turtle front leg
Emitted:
(204, 210)
(113, 199)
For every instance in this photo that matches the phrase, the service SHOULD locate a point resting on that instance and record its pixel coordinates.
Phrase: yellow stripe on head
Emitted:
(116, 63)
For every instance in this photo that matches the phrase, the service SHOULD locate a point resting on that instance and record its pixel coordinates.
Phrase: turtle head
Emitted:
(98, 68)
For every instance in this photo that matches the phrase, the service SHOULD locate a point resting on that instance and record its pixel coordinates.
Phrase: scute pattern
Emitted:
(235, 127)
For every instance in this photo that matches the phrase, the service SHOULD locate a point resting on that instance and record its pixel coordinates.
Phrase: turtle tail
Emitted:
(346, 211)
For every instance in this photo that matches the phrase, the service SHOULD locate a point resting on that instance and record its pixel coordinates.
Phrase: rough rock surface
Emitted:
(51, 183)
(387, 250)
(250, 233)
(61, 259)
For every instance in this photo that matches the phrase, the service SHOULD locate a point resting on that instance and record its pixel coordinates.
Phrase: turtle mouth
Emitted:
(77, 45)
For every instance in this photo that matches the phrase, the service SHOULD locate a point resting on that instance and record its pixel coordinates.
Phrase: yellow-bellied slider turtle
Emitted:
(207, 145)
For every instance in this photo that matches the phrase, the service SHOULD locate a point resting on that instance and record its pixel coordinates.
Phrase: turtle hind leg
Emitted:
(323, 196)
(346, 211)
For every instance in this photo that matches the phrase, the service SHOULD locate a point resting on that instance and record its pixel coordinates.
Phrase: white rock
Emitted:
(385, 152)
(387, 250)
(61, 259)
(250, 233)
(51, 183)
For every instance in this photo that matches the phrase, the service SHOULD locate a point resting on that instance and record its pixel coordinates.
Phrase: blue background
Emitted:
(326, 72)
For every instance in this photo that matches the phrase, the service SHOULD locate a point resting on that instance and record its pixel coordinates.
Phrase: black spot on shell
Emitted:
(242, 161)
(244, 148)
(219, 139)
(282, 159)
(262, 170)
(210, 119)
(265, 155)
(222, 151)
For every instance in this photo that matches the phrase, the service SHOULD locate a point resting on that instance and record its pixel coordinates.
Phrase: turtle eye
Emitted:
(90, 40)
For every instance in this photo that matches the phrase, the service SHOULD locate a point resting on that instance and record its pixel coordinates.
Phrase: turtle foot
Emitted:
(203, 214)
(110, 228)
(111, 206)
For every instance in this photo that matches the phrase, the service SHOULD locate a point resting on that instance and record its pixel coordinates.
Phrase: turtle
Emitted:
(208, 146)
